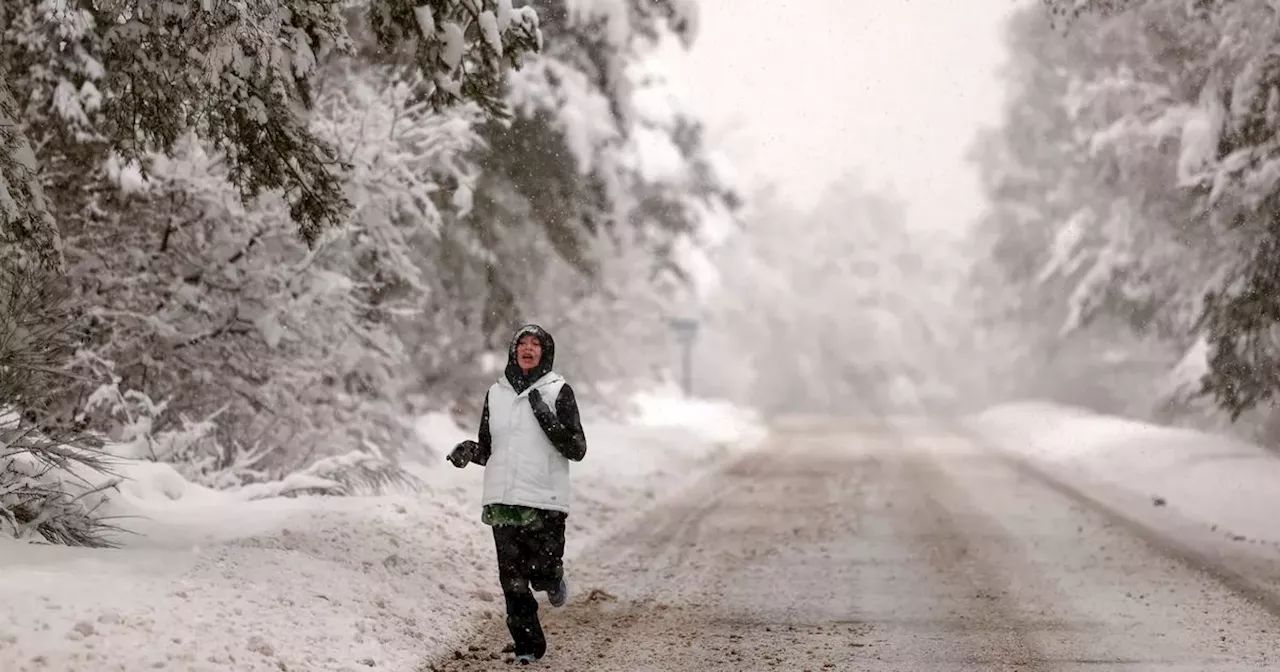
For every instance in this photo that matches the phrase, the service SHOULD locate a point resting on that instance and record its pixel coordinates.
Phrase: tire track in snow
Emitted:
(983, 621)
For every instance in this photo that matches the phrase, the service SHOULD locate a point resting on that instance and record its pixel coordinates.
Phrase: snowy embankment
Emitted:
(214, 581)
(1215, 483)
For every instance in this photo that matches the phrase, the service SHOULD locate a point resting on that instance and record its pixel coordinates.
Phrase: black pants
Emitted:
(530, 558)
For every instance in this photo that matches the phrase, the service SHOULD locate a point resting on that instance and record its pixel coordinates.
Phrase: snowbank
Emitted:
(1222, 483)
(211, 580)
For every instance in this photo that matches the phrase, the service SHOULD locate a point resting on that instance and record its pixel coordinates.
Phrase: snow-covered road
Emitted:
(900, 547)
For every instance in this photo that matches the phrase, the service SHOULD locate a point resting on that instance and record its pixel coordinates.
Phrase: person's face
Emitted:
(528, 352)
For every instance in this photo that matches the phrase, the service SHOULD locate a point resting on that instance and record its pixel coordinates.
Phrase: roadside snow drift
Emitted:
(212, 580)
(1230, 486)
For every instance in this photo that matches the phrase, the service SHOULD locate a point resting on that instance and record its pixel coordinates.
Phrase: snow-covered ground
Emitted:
(213, 581)
(1214, 482)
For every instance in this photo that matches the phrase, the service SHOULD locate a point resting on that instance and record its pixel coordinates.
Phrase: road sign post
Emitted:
(686, 329)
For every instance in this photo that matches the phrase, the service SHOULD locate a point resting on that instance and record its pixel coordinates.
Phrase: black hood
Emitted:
(515, 376)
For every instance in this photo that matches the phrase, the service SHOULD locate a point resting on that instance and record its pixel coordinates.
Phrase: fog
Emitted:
(1064, 222)
(851, 135)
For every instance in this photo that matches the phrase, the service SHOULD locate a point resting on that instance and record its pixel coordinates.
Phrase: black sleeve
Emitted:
(486, 439)
(564, 427)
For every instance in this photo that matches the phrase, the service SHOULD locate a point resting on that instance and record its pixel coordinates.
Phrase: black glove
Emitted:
(540, 409)
(463, 453)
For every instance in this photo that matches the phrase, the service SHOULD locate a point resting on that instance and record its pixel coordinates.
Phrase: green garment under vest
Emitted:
(510, 514)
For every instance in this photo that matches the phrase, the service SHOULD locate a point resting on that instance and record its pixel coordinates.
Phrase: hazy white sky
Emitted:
(802, 91)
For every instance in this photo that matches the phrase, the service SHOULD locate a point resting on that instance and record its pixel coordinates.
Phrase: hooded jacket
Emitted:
(526, 444)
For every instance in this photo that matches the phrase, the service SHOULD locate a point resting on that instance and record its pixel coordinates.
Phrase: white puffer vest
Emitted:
(524, 469)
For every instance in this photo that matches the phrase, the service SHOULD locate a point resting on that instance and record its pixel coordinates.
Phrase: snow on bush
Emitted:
(353, 474)
(50, 489)
(73, 494)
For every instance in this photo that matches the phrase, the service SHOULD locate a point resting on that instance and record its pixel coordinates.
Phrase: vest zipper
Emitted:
(512, 441)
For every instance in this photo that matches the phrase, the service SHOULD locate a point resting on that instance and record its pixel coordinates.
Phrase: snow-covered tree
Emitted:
(203, 310)
(1155, 192)
(600, 167)
(26, 222)
(1034, 239)
(134, 77)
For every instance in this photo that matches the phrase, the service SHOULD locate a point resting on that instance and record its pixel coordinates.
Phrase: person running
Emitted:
(529, 432)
